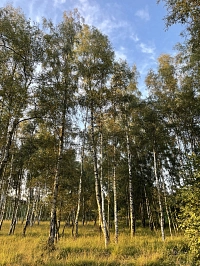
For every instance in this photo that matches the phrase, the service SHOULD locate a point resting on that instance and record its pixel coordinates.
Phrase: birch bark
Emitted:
(115, 198)
(159, 196)
(130, 185)
(98, 189)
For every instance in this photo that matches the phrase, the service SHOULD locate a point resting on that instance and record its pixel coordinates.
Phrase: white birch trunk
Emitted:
(104, 223)
(97, 188)
(115, 199)
(79, 199)
(6, 154)
(4, 193)
(130, 186)
(167, 207)
(159, 197)
(53, 221)
(80, 180)
(16, 205)
(149, 212)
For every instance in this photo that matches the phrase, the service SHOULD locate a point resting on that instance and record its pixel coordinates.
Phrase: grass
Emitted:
(145, 249)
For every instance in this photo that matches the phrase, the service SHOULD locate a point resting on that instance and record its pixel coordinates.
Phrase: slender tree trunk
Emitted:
(16, 205)
(115, 198)
(53, 232)
(27, 222)
(108, 207)
(149, 212)
(79, 197)
(6, 155)
(99, 193)
(167, 207)
(80, 180)
(130, 188)
(142, 211)
(174, 220)
(53, 221)
(159, 197)
(83, 210)
(104, 223)
(4, 193)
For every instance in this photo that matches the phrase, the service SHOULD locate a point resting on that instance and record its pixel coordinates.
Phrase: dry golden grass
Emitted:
(144, 249)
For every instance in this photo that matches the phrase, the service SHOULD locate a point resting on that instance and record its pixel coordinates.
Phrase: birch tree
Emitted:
(19, 53)
(56, 93)
(95, 57)
(124, 81)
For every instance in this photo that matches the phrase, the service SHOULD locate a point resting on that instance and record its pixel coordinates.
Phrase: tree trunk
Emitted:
(102, 221)
(6, 155)
(159, 197)
(27, 223)
(149, 212)
(80, 180)
(79, 198)
(115, 198)
(53, 233)
(130, 187)
(16, 205)
(166, 206)
(4, 193)
(53, 221)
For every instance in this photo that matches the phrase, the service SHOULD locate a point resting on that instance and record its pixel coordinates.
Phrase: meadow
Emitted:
(145, 248)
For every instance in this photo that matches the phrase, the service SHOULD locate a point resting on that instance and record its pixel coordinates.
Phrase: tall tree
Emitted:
(19, 53)
(57, 90)
(124, 85)
(95, 58)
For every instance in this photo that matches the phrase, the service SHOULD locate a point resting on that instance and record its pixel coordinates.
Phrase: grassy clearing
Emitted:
(146, 248)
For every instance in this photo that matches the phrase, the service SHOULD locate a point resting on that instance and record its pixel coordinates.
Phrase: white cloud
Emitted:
(96, 16)
(143, 14)
(134, 37)
(147, 49)
(90, 11)
(56, 2)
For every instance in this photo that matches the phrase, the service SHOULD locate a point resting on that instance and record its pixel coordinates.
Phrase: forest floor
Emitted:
(146, 248)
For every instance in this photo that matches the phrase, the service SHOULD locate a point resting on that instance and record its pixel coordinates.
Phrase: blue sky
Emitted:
(135, 28)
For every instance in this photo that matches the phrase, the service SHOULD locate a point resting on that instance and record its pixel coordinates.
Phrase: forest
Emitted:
(80, 146)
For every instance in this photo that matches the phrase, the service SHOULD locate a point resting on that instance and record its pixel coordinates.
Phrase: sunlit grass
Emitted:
(145, 248)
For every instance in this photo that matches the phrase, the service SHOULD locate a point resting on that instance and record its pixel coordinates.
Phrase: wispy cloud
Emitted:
(98, 17)
(134, 37)
(143, 14)
(37, 10)
(147, 49)
(90, 11)
(56, 2)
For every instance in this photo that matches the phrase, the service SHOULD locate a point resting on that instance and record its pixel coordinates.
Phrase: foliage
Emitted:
(190, 204)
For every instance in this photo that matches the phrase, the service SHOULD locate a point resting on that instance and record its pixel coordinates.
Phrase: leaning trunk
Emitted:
(6, 154)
